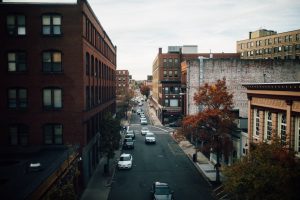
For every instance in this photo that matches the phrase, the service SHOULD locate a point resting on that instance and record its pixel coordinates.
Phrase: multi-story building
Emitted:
(196, 72)
(268, 44)
(274, 109)
(166, 83)
(57, 81)
(122, 82)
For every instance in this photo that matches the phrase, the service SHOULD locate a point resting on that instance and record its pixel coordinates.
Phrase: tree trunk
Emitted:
(217, 166)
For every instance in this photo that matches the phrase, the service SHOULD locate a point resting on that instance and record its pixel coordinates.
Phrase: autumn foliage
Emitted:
(145, 90)
(214, 123)
(268, 172)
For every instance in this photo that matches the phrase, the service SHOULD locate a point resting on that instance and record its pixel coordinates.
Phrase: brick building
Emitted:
(166, 83)
(122, 82)
(57, 81)
(236, 72)
(268, 44)
(274, 108)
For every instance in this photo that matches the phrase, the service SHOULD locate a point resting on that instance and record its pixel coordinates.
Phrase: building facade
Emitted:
(268, 44)
(57, 79)
(236, 72)
(122, 82)
(166, 83)
(274, 109)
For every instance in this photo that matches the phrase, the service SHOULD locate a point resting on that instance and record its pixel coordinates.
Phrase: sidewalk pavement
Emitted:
(100, 183)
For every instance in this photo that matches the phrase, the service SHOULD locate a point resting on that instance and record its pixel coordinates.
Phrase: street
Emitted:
(163, 162)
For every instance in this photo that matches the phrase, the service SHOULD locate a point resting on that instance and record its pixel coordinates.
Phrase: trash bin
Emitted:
(195, 157)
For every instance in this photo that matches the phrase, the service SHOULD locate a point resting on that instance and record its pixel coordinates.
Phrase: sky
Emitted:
(139, 27)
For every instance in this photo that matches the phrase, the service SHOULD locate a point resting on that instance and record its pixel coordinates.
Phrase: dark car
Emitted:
(161, 191)
(128, 143)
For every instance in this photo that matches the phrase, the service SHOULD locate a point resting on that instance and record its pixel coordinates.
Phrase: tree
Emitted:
(214, 123)
(268, 172)
(110, 136)
(145, 90)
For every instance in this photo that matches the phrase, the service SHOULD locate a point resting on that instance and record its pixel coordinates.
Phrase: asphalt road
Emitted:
(164, 162)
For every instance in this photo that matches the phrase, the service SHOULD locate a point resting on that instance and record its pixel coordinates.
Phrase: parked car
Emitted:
(128, 143)
(150, 138)
(144, 130)
(144, 121)
(130, 133)
(125, 161)
(161, 191)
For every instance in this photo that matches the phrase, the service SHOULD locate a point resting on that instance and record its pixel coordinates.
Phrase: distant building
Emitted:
(166, 82)
(122, 81)
(274, 108)
(57, 81)
(149, 82)
(268, 44)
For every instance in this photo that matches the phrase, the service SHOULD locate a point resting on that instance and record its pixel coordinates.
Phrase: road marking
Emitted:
(160, 128)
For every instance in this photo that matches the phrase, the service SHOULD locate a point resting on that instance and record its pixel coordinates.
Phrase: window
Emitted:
(16, 25)
(17, 98)
(18, 134)
(175, 73)
(52, 98)
(256, 122)
(166, 102)
(51, 24)
(268, 130)
(176, 61)
(166, 90)
(52, 62)
(176, 90)
(282, 127)
(297, 135)
(165, 73)
(16, 61)
(87, 63)
(298, 37)
(297, 47)
(173, 102)
(170, 73)
(53, 134)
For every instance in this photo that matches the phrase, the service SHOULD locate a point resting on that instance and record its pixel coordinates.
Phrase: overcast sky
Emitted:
(139, 27)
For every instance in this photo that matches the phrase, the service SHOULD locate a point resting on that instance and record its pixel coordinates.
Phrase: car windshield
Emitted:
(130, 132)
(162, 191)
(128, 139)
(150, 134)
(125, 158)
(145, 129)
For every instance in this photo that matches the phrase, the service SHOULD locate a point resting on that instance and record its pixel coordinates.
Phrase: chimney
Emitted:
(159, 50)
(250, 35)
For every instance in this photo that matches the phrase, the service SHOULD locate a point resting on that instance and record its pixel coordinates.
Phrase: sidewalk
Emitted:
(99, 185)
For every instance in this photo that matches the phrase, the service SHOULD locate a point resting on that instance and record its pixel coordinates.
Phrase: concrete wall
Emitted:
(238, 72)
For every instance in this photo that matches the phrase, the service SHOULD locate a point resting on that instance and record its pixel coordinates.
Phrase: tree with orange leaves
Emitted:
(145, 90)
(215, 121)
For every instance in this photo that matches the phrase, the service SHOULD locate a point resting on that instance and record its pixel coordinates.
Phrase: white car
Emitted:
(144, 130)
(150, 138)
(144, 121)
(125, 161)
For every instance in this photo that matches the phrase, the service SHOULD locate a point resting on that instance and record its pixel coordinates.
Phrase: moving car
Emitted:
(144, 121)
(161, 191)
(150, 138)
(125, 161)
(144, 130)
(128, 143)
